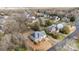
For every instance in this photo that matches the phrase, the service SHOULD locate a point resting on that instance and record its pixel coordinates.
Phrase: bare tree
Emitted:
(11, 26)
(5, 42)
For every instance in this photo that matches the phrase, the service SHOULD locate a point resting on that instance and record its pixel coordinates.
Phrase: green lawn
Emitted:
(77, 42)
(20, 48)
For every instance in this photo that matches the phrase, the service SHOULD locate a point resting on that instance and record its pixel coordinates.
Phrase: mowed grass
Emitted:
(77, 42)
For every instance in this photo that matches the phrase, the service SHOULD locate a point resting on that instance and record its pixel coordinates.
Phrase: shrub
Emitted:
(77, 42)
(72, 19)
(55, 35)
(61, 36)
(1, 35)
(49, 22)
(36, 27)
(20, 48)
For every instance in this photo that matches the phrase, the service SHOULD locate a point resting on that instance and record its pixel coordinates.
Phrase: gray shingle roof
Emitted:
(38, 35)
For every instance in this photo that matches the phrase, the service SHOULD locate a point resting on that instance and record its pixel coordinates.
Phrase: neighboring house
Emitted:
(60, 26)
(56, 18)
(40, 14)
(55, 28)
(65, 19)
(6, 17)
(46, 15)
(35, 20)
(31, 21)
(52, 28)
(38, 36)
(29, 16)
(2, 20)
(33, 17)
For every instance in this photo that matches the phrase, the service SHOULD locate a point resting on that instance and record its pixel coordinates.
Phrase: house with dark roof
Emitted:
(38, 36)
